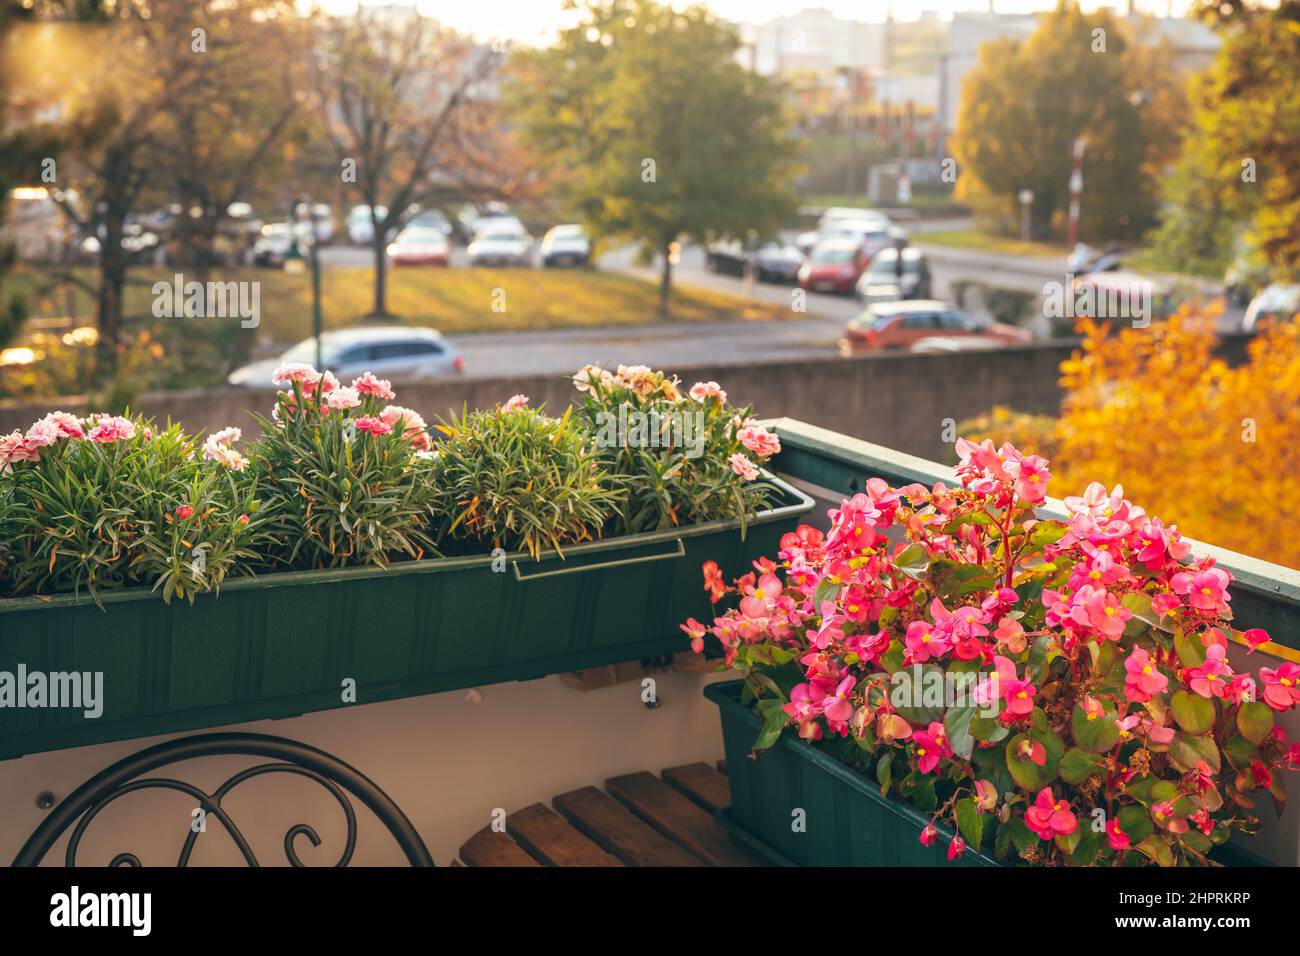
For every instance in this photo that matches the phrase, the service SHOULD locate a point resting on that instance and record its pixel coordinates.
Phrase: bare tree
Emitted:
(406, 105)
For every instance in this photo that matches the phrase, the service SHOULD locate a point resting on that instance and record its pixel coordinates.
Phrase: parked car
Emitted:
(940, 344)
(394, 352)
(361, 231)
(432, 219)
(1122, 296)
(565, 245)
(500, 243)
(895, 274)
(275, 241)
(777, 262)
(1273, 302)
(1084, 259)
(832, 220)
(833, 266)
(419, 246)
(898, 325)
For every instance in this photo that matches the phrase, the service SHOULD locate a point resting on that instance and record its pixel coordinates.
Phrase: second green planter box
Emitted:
(286, 644)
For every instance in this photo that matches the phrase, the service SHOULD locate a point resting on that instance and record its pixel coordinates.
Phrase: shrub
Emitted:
(340, 472)
(680, 458)
(1021, 680)
(516, 478)
(112, 501)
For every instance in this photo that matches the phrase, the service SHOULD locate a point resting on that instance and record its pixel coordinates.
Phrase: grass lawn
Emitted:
(983, 242)
(453, 300)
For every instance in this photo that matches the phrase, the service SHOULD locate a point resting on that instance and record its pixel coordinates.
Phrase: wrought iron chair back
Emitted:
(129, 775)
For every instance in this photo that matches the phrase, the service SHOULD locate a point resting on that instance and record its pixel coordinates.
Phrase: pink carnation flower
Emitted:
(702, 391)
(367, 384)
(218, 448)
(375, 426)
(341, 398)
(743, 467)
(111, 428)
(515, 402)
(759, 440)
(14, 447)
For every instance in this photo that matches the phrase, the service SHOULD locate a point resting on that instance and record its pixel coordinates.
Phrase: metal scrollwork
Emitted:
(339, 779)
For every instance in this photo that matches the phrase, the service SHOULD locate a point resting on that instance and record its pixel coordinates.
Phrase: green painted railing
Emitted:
(1263, 594)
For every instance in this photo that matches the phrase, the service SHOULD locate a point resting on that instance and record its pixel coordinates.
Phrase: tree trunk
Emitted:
(381, 273)
(112, 279)
(666, 280)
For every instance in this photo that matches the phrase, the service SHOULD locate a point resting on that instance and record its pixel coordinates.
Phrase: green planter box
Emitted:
(283, 644)
(847, 821)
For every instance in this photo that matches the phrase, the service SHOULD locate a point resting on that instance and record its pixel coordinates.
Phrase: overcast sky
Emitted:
(536, 21)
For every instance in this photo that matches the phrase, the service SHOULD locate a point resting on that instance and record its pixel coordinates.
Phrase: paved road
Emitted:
(679, 345)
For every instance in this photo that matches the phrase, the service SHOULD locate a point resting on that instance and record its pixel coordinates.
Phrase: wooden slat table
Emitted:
(637, 820)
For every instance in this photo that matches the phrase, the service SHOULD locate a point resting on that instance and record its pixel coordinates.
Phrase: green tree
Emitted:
(656, 132)
(1077, 75)
(1246, 131)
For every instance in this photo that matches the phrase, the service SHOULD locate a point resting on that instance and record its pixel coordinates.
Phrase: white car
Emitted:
(500, 243)
(875, 229)
(394, 352)
(565, 245)
(360, 229)
(1273, 302)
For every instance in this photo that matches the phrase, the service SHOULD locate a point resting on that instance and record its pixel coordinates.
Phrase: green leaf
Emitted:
(1255, 721)
(1195, 714)
(1140, 605)
(1136, 821)
(1028, 774)
(1021, 835)
(1078, 765)
(885, 773)
(1098, 734)
(970, 822)
(1088, 847)
(956, 722)
(913, 561)
(1190, 650)
(1186, 750)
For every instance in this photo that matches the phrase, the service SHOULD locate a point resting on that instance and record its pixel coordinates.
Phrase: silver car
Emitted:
(394, 352)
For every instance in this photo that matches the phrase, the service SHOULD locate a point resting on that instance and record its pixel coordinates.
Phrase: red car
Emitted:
(900, 325)
(419, 246)
(834, 266)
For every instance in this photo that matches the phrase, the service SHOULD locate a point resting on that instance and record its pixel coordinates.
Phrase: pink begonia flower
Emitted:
(111, 428)
(1093, 709)
(1281, 686)
(925, 643)
(1019, 697)
(1160, 734)
(701, 391)
(1158, 544)
(367, 384)
(218, 448)
(1127, 725)
(1165, 817)
(830, 631)
(1242, 689)
(837, 706)
(1142, 679)
(1049, 817)
(1255, 637)
(695, 631)
(986, 795)
(759, 440)
(1165, 603)
(515, 402)
(1115, 837)
(1206, 590)
(929, 833)
(1100, 610)
(932, 747)
(343, 397)
(758, 597)
(956, 848)
(990, 690)
(1033, 751)
(1031, 476)
(743, 467)
(375, 426)
(1211, 678)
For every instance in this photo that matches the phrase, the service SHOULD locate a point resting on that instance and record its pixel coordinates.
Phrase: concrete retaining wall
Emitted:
(899, 400)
